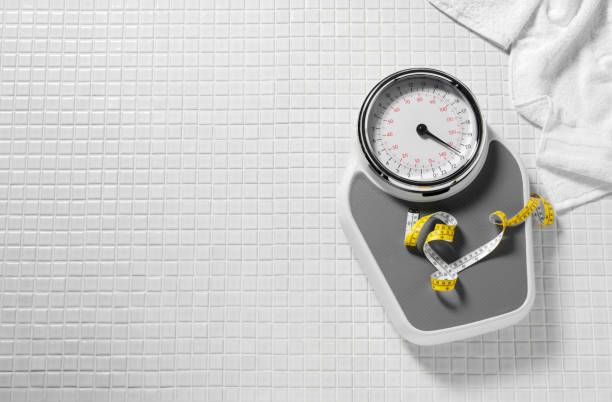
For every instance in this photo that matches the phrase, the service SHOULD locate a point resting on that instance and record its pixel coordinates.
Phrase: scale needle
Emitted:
(422, 130)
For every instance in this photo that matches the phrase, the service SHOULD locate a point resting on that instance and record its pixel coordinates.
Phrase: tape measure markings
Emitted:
(446, 274)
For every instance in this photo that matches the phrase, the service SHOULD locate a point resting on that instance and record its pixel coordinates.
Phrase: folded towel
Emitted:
(561, 81)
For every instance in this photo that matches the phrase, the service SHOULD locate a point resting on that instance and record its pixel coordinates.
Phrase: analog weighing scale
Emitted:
(423, 147)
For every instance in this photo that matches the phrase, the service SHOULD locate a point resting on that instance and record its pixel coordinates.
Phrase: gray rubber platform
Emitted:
(494, 286)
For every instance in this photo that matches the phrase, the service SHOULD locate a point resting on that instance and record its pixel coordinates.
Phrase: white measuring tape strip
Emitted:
(446, 274)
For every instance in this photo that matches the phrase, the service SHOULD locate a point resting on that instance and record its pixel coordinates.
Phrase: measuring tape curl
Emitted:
(446, 274)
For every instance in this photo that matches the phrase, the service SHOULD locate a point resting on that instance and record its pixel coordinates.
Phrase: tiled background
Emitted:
(168, 225)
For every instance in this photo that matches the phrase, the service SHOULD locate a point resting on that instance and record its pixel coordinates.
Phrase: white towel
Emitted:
(561, 81)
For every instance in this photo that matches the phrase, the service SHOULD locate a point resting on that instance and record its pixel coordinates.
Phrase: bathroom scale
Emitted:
(437, 210)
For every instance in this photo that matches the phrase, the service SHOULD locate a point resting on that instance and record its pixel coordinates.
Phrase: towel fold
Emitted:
(561, 81)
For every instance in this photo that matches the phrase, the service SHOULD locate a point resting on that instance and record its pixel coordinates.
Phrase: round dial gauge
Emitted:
(421, 127)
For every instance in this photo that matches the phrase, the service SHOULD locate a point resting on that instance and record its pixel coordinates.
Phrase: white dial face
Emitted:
(422, 129)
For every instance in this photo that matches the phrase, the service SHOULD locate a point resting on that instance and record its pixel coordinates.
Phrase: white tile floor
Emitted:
(168, 224)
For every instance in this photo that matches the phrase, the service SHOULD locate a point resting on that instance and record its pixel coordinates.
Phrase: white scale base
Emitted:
(496, 292)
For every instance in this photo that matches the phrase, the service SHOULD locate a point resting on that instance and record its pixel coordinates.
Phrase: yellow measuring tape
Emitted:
(446, 274)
